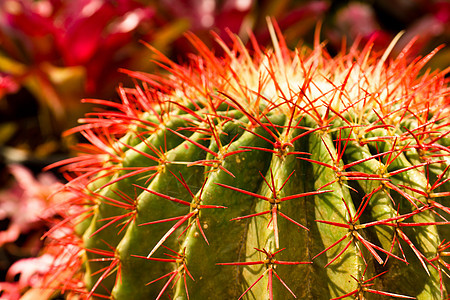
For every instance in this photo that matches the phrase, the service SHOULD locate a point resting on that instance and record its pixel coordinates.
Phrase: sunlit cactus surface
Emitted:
(268, 174)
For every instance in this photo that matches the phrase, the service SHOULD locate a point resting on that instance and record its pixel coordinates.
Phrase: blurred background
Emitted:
(53, 53)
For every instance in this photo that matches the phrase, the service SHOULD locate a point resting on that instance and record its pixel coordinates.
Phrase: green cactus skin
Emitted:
(288, 173)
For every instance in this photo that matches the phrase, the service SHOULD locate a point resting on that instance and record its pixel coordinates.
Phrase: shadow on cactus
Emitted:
(269, 175)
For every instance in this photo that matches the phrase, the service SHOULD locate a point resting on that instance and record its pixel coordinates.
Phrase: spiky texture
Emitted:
(269, 175)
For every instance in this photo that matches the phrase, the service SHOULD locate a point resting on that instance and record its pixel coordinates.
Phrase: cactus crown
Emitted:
(271, 175)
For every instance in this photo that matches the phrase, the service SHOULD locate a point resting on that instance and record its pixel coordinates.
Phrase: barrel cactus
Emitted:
(268, 174)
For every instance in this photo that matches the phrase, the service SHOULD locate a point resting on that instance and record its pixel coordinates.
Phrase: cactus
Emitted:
(269, 175)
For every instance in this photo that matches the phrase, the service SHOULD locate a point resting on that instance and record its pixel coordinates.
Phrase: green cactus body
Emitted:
(289, 173)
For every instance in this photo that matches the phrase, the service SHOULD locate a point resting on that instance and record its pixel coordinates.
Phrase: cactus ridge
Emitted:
(274, 175)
